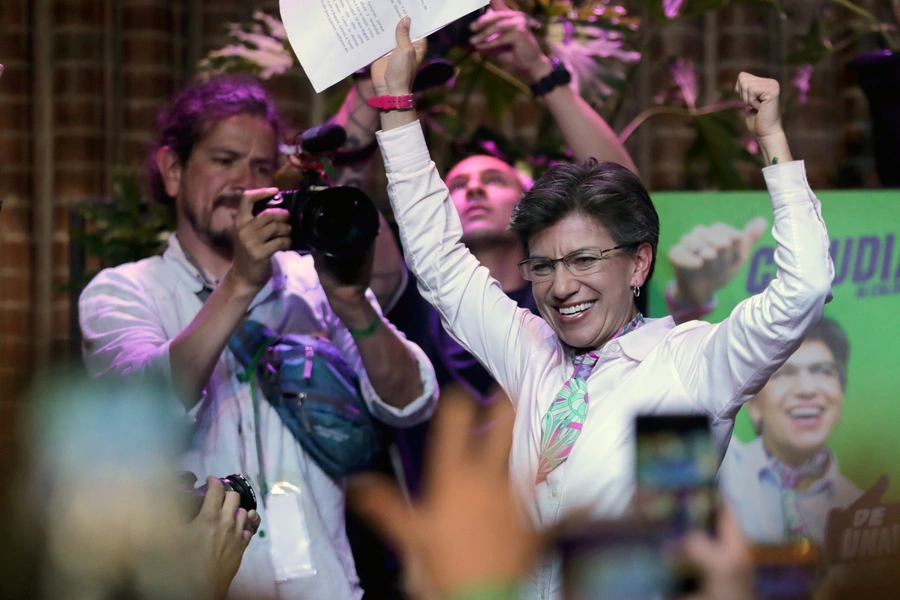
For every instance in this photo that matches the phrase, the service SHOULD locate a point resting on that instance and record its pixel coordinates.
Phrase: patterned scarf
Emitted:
(562, 424)
(788, 476)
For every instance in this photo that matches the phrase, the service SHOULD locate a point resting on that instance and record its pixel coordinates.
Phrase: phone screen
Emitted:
(786, 571)
(676, 471)
(618, 560)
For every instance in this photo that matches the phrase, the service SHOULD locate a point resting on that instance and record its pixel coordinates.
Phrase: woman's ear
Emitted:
(170, 170)
(642, 260)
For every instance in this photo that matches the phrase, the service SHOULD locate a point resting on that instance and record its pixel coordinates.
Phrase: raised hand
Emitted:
(505, 35)
(258, 238)
(707, 258)
(393, 74)
(465, 531)
(763, 115)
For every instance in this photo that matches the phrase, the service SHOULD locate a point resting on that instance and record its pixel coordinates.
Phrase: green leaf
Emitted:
(499, 93)
(124, 229)
(654, 9)
(812, 46)
(717, 151)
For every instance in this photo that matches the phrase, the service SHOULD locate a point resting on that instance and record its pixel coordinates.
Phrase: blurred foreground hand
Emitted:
(724, 561)
(465, 532)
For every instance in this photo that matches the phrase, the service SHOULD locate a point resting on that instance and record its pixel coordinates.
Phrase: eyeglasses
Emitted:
(818, 372)
(579, 262)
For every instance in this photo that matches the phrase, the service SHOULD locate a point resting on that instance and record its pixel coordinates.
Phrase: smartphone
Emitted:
(619, 560)
(788, 571)
(676, 471)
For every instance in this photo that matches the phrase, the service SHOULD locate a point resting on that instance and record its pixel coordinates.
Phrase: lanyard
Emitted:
(249, 374)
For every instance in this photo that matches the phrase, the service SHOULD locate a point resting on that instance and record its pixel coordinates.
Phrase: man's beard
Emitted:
(222, 241)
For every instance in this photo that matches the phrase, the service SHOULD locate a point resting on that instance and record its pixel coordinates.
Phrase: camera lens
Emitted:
(237, 483)
(341, 222)
(334, 224)
(194, 496)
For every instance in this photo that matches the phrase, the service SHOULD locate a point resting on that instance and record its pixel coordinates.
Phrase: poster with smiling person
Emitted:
(824, 428)
(786, 480)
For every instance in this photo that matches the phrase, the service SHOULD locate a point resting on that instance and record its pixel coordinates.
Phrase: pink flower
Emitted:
(752, 145)
(801, 81)
(671, 8)
(686, 80)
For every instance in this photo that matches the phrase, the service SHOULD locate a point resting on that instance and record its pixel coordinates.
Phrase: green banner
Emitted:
(864, 229)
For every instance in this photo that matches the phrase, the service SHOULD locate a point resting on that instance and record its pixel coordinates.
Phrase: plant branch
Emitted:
(678, 112)
(470, 87)
(502, 74)
(857, 9)
(891, 41)
(850, 40)
(645, 38)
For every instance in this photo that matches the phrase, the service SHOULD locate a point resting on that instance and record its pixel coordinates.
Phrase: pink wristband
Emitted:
(683, 313)
(404, 102)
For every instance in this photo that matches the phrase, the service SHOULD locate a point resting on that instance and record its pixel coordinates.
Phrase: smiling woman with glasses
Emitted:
(582, 371)
(581, 262)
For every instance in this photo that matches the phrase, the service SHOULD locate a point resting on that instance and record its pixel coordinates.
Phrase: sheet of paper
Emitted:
(334, 38)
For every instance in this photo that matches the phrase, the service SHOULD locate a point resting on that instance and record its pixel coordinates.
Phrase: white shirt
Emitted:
(659, 368)
(752, 486)
(130, 314)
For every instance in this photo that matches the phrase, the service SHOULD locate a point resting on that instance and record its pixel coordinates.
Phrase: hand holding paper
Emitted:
(393, 74)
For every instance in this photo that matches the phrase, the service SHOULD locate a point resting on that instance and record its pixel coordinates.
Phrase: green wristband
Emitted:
(361, 334)
(492, 591)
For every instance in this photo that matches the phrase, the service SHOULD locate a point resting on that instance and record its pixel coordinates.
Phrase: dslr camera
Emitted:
(337, 221)
(193, 496)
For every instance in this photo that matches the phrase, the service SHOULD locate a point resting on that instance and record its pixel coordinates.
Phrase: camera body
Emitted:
(194, 496)
(337, 221)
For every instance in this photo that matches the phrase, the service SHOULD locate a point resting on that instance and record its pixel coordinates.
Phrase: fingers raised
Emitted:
(452, 432)
(683, 257)
(402, 33)
(249, 198)
(498, 440)
(755, 230)
(490, 18)
(378, 501)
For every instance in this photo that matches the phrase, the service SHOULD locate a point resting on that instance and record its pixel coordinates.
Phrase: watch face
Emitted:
(561, 74)
(557, 77)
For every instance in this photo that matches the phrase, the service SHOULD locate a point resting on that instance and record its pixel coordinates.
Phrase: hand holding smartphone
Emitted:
(676, 465)
(638, 558)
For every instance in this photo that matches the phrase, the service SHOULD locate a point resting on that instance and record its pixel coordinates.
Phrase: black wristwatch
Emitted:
(558, 76)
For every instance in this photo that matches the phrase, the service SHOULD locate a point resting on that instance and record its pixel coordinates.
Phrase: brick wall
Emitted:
(85, 99)
(16, 214)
